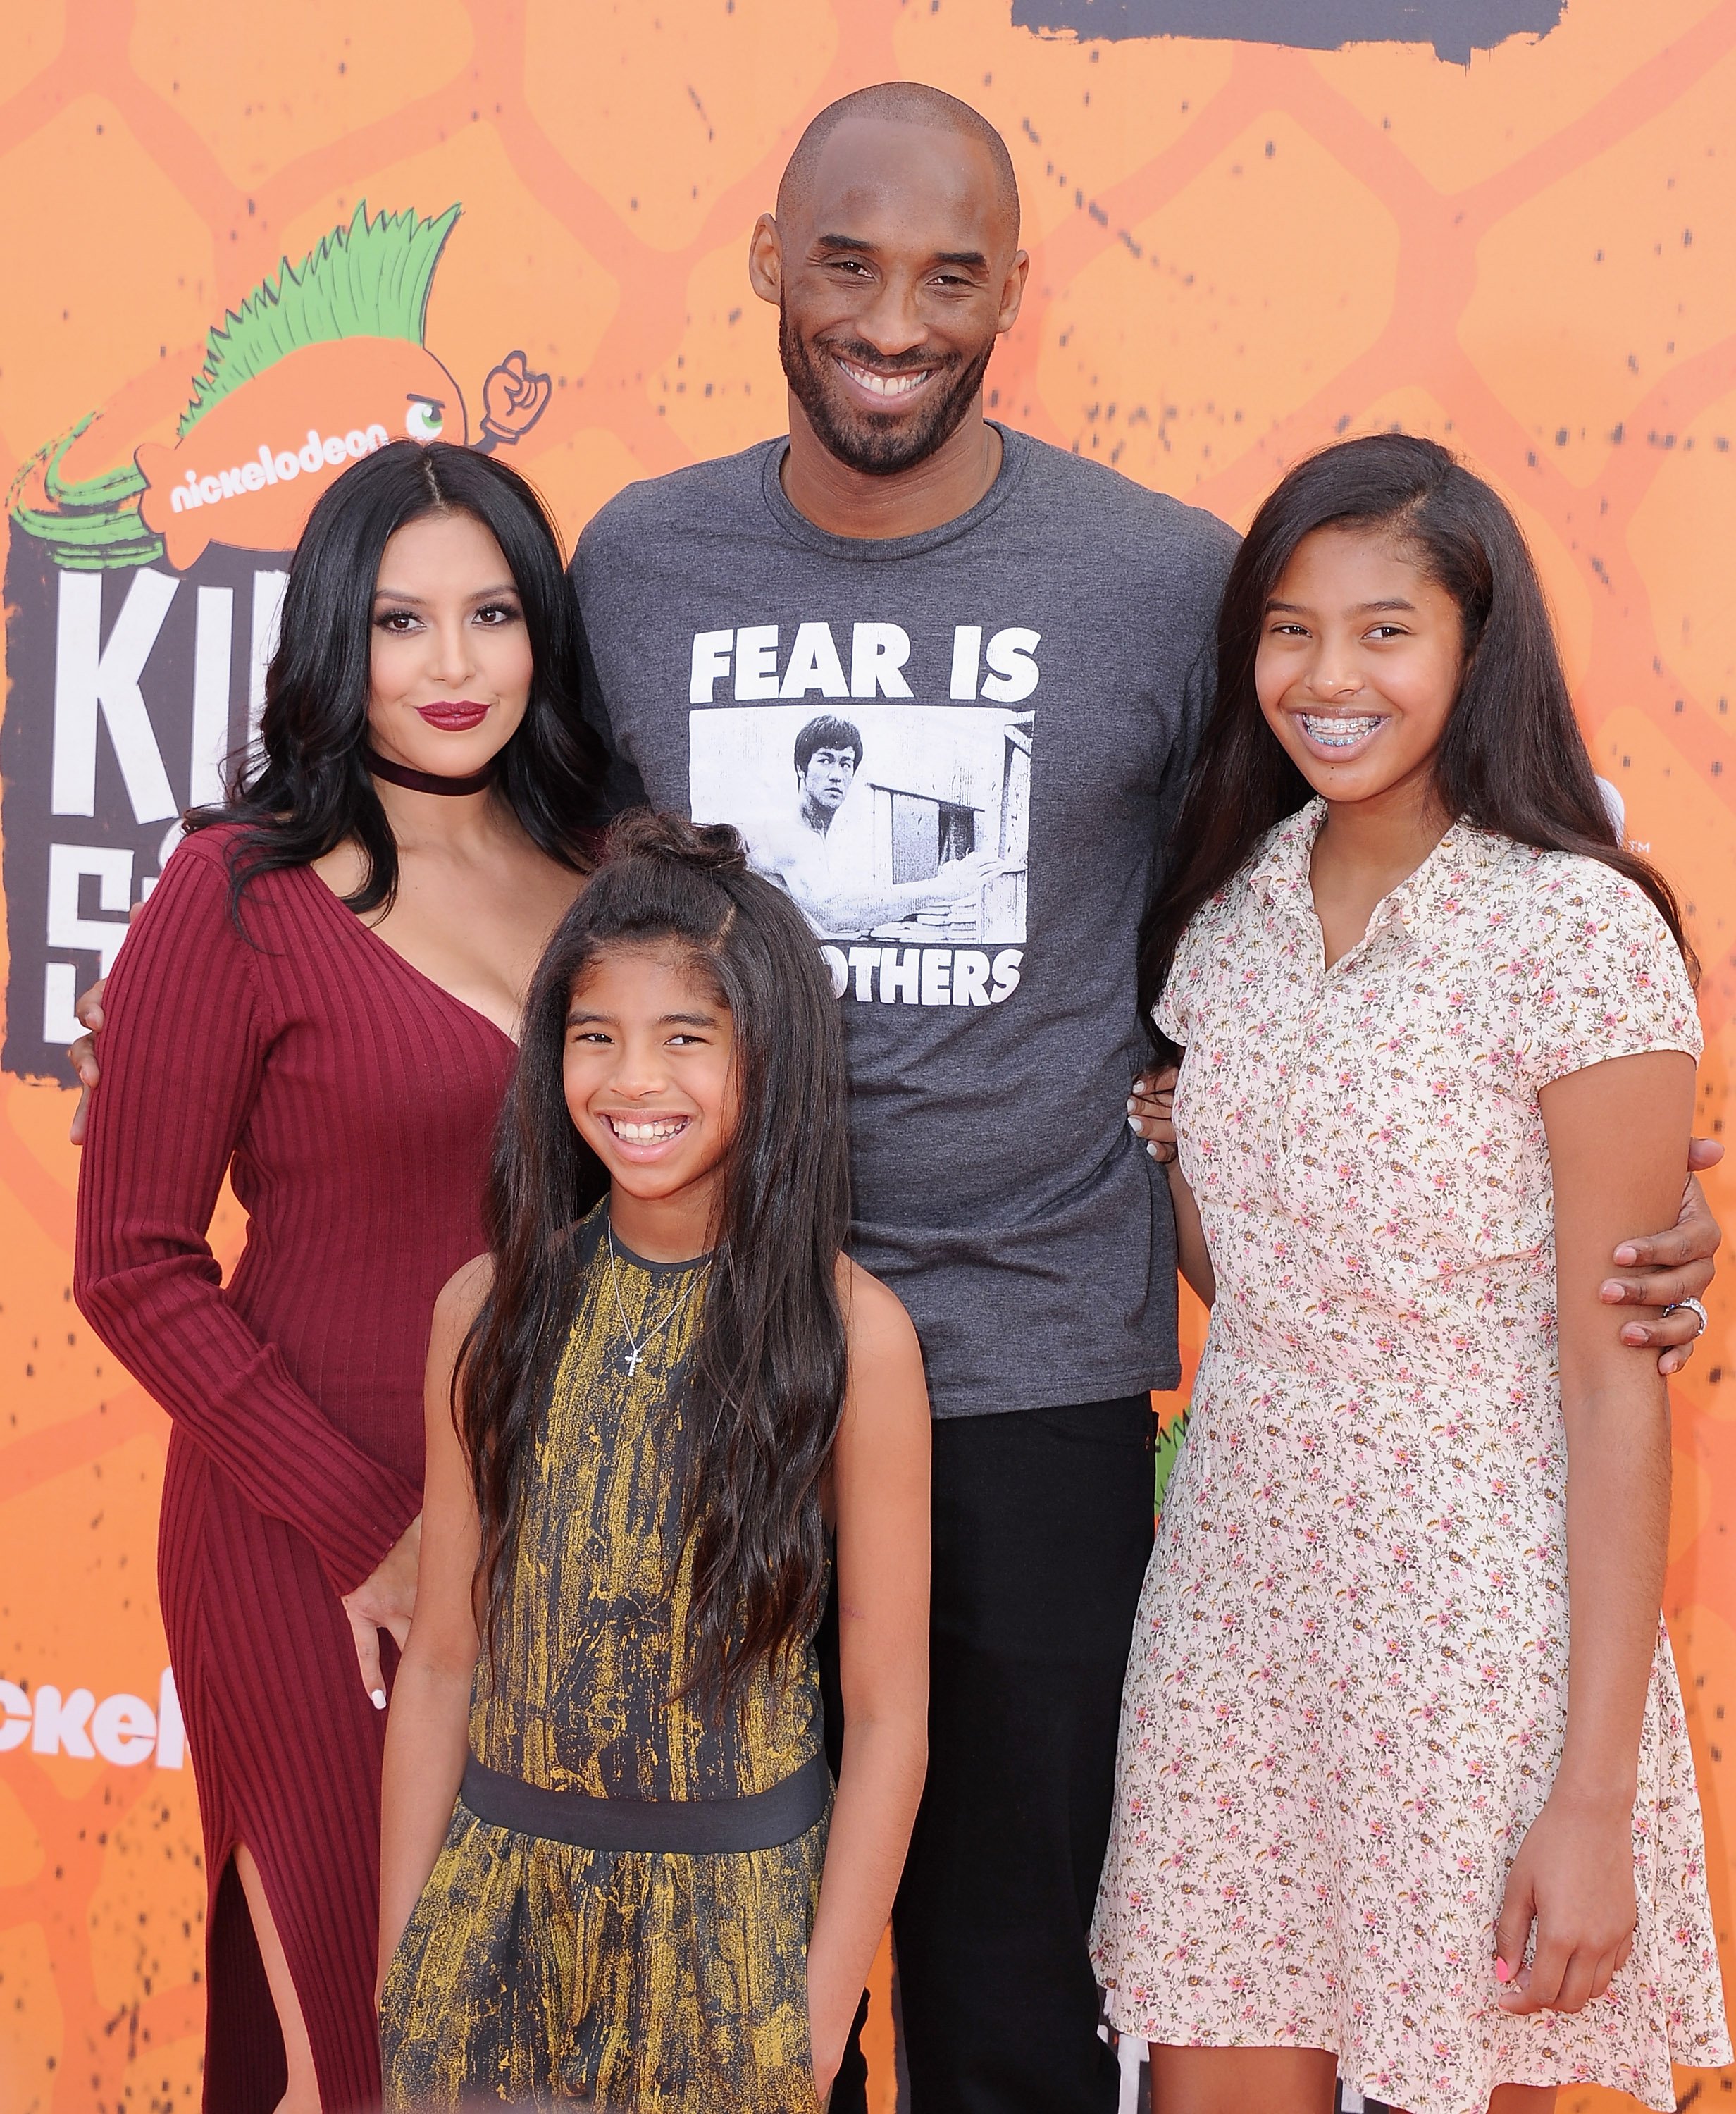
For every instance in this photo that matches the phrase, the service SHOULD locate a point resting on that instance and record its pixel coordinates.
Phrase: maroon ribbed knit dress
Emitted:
(354, 1100)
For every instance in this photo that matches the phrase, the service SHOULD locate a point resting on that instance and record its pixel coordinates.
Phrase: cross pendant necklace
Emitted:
(636, 1346)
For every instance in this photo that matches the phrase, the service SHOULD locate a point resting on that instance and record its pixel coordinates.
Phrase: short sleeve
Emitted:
(1178, 1003)
(1602, 976)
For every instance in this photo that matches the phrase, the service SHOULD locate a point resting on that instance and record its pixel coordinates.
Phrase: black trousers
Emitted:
(1042, 1531)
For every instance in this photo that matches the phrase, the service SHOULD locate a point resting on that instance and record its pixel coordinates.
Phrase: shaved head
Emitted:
(900, 103)
(893, 262)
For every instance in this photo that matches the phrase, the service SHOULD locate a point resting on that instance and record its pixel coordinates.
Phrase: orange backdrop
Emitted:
(1240, 251)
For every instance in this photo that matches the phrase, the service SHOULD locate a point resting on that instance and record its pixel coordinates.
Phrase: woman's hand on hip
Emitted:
(386, 1600)
(1574, 1877)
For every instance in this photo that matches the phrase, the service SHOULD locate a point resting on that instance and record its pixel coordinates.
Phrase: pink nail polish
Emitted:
(1503, 1972)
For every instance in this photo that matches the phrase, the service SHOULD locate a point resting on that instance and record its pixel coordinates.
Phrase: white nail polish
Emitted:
(1131, 1105)
(1153, 1150)
(379, 1698)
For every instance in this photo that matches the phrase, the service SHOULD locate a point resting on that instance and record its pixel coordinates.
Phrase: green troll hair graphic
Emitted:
(371, 279)
(368, 279)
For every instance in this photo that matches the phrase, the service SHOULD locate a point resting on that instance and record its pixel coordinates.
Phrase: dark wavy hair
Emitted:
(767, 1382)
(1511, 759)
(308, 790)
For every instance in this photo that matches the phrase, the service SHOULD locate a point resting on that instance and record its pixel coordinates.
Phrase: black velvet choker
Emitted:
(428, 781)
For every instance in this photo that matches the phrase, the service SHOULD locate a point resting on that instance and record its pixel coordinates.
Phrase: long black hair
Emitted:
(767, 1378)
(1511, 759)
(309, 789)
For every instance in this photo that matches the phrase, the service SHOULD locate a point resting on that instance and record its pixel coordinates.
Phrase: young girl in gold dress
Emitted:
(615, 1869)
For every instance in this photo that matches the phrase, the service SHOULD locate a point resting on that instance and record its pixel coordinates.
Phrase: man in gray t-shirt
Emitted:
(1005, 705)
(947, 682)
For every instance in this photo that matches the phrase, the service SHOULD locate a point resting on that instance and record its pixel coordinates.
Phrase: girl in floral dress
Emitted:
(1380, 1807)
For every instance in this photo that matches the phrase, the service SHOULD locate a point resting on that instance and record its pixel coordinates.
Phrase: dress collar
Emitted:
(1279, 869)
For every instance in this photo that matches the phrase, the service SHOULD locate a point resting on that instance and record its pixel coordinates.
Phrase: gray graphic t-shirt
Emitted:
(962, 754)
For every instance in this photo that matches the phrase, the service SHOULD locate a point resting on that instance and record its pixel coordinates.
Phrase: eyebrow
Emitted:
(581, 1017)
(859, 248)
(1358, 609)
(487, 594)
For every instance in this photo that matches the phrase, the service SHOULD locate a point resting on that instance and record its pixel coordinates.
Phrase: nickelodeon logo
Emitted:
(315, 454)
(331, 347)
(124, 1730)
(332, 394)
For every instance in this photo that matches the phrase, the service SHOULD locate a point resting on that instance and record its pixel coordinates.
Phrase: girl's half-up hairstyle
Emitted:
(766, 1381)
(306, 790)
(1512, 759)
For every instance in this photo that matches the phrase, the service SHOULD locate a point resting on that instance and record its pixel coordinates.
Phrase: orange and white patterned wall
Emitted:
(1241, 249)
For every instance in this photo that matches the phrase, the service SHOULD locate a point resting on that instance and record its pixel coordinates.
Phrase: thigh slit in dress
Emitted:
(350, 1101)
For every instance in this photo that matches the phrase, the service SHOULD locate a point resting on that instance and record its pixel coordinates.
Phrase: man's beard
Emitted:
(864, 440)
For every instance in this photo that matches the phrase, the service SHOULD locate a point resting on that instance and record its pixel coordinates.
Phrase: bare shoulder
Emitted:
(462, 1295)
(879, 1330)
(344, 870)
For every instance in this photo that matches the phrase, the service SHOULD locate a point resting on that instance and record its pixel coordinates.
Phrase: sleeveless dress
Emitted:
(534, 1971)
(1347, 1691)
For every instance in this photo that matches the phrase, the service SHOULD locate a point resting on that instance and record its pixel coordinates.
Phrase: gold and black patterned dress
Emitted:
(534, 1971)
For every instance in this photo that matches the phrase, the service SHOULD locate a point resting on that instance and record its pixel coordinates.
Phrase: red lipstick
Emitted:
(454, 718)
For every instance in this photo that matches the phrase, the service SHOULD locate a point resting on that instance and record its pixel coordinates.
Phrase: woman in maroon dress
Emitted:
(320, 999)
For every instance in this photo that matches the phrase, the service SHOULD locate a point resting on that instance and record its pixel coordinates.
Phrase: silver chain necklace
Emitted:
(638, 1345)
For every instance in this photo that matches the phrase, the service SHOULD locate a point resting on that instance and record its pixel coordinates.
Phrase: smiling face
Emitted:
(648, 1070)
(894, 268)
(1358, 664)
(451, 664)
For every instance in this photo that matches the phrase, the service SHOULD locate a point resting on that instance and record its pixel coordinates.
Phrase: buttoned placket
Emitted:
(1286, 880)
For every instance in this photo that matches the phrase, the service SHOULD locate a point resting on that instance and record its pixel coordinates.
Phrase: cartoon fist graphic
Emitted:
(514, 399)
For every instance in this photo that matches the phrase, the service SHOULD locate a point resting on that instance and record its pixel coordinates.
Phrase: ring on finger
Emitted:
(1691, 1307)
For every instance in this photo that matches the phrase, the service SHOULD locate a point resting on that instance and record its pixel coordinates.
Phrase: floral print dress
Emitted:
(1348, 1686)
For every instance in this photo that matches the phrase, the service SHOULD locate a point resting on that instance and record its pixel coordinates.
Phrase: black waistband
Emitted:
(673, 1827)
